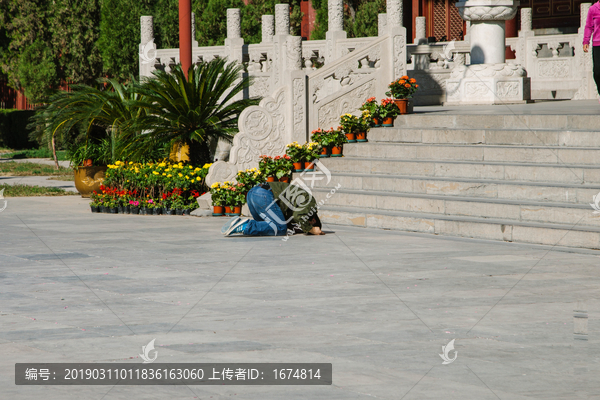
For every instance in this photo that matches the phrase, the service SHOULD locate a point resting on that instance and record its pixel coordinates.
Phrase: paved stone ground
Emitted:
(45, 161)
(378, 305)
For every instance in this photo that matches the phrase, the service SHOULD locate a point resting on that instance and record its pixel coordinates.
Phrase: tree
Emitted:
(321, 20)
(120, 36)
(212, 26)
(364, 22)
(192, 111)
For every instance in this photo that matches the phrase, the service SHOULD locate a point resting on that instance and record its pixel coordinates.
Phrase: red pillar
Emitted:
(511, 31)
(185, 35)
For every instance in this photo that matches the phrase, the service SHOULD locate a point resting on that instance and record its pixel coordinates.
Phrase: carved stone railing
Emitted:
(342, 86)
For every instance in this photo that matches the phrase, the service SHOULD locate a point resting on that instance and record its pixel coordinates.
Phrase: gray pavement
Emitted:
(43, 181)
(378, 305)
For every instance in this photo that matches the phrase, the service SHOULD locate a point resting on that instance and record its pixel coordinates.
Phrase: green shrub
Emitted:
(13, 129)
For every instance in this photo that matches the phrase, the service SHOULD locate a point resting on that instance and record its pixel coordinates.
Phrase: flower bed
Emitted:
(150, 188)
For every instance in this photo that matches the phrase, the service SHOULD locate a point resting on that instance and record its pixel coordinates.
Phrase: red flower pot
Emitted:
(309, 166)
(350, 137)
(298, 166)
(285, 179)
(336, 151)
(237, 210)
(271, 179)
(217, 211)
(324, 152)
(376, 122)
(389, 121)
(227, 210)
(361, 137)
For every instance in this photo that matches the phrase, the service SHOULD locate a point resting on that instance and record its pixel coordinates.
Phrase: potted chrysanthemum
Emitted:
(402, 90)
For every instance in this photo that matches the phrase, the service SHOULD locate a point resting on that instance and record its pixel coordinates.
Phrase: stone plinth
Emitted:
(488, 84)
(488, 80)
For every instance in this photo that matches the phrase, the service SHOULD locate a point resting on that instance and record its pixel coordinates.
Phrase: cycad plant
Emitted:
(194, 111)
(90, 117)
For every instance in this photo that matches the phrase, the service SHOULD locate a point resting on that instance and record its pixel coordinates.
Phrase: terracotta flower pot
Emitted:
(389, 121)
(271, 179)
(298, 166)
(227, 210)
(404, 105)
(285, 179)
(376, 122)
(351, 137)
(217, 211)
(324, 152)
(309, 166)
(336, 151)
(237, 210)
(361, 137)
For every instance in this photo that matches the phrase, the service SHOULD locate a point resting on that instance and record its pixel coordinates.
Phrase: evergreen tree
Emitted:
(364, 22)
(212, 26)
(321, 20)
(120, 35)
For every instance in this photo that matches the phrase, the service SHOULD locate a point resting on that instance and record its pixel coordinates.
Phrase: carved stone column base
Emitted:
(488, 84)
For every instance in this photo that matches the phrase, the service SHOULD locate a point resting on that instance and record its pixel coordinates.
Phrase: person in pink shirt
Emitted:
(592, 27)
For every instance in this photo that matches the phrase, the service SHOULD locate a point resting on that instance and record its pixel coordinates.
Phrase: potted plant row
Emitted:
(355, 127)
(278, 168)
(303, 156)
(331, 141)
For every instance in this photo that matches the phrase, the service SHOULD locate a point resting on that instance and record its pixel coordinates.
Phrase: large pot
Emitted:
(88, 179)
(404, 105)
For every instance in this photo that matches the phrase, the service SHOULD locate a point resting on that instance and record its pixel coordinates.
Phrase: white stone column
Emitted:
(335, 14)
(282, 19)
(420, 30)
(394, 13)
(381, 24)
(294, 53)
(194, 41)
(526, 21)
(147, 48)
(268, 28)
(488, 80)
(234, 23)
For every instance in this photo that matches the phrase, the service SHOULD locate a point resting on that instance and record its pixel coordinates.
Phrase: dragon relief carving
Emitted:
(261, 131)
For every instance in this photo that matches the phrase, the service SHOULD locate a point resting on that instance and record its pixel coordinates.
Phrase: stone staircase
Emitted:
(515, 178)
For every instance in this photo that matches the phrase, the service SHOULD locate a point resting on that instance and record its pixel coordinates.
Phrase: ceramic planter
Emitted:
(89, 179)
(376, 122)
(309, 166)
(351, 137)
(361, 137)
(285, 179)
(227, 210)
(404, 105)
(389, 121)
(336, 151)
(271, 179)
(236, 211)
(217, 211)
(298, 166)
(324, 152)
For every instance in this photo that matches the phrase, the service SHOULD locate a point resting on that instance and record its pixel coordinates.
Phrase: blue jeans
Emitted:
(268, 218)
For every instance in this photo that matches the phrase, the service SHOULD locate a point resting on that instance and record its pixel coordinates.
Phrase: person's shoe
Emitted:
(237, 228)
(228, 224)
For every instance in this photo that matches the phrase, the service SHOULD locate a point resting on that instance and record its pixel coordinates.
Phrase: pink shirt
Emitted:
(592, 25)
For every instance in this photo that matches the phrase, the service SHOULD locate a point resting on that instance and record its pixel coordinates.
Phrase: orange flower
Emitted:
(413, 81)
(407, 85)
(416, 85)
(401, 81)
(404, 77)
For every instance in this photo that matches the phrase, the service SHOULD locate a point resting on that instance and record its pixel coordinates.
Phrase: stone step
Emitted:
(479, 188)
(496, 153)
(557, 173)
(499, 121)
(511, 210)
(491, 136)
(556, 235)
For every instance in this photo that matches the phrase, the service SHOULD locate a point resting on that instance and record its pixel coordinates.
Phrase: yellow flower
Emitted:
(198, 179)
(164, 174)
(187, 177)
(215, 185)
(155, 173)
(162, 164)
(207, 165)
(168, 176)
(180, 174)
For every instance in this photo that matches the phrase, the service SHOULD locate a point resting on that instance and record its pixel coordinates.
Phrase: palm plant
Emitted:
(194, 110)
(88, 116)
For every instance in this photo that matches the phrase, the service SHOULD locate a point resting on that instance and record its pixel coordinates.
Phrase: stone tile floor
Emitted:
(378, 305)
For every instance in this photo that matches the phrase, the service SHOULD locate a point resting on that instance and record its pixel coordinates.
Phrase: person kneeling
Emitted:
(275, 208)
